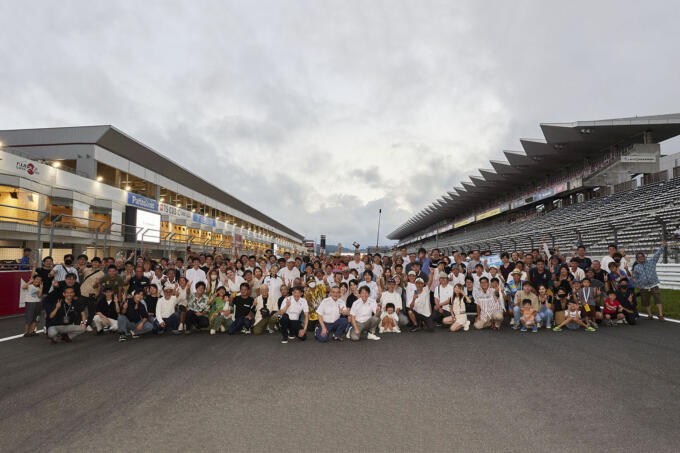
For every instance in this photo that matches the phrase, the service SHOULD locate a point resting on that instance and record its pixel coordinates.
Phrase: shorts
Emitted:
(646, 294)
(32, 311)
(613, 315)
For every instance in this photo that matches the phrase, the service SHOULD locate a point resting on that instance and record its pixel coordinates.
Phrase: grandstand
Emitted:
(614, 192)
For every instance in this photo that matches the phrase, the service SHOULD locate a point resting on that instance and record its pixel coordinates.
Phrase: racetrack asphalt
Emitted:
(614, 390)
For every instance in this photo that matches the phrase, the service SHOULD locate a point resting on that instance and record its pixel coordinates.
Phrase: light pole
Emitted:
(377, 237)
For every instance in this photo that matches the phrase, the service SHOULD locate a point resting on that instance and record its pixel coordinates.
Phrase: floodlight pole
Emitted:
(377, 236)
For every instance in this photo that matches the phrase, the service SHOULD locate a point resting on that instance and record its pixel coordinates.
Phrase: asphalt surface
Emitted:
(615, 390)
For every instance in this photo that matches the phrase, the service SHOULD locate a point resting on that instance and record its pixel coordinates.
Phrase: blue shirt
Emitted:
(25, 263)
(644, 273)
(425, 266)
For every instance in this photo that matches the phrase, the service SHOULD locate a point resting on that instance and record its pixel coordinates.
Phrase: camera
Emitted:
(355, 244)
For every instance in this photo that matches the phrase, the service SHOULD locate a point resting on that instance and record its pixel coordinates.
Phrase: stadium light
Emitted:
(128, 188)
(56, 164)
(100, 178)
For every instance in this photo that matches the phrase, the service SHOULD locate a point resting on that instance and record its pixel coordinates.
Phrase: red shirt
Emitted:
(608, 304)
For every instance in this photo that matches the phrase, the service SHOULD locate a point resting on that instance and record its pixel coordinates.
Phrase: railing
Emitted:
(669, 275)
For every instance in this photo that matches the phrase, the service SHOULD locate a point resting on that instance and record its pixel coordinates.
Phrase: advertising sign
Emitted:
(490, 213)
(493, 260)
(464, 222)
(142, 202)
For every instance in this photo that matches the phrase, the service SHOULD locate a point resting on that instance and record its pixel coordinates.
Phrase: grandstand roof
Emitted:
(117, 142)
(563, 144)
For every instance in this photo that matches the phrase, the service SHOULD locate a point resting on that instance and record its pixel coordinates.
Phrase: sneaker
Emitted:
(176, 332)
(291, 338)
(247, 331)
(122, 337)
(284, 340)
(186, 331)
(535, 329)
(466, 327)
(619, 321)
(181, 327)
(590, 329)
(538, 325)
(269, 330)
(558, 329)
(515, 327)
(243, 330)
(337, 338)
(349, 334)
(89, 328)
(212, 331)
(372, 336)
(223, 329)
(134, 336)
(523, 329)
(397, 330)
(381, 329)
(415, 329)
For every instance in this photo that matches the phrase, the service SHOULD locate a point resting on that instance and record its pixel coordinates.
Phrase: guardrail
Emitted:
(669, 275)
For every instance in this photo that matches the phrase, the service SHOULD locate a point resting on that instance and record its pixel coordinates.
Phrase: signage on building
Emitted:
(142, 202)
(464, 222)
(489, 213)
(639, 158)
(204, 220)
(28, 167)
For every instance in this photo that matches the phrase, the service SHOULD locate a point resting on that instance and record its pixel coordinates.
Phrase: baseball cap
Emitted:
(411, 272)
(290, 260)
(419, 280)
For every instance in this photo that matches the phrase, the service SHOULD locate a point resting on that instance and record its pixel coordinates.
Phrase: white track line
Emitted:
(18, 336)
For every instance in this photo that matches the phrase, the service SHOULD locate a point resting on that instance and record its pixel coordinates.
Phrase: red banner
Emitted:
(10, 291)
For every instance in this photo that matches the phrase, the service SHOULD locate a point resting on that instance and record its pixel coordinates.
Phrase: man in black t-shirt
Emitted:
(539, 275)
(65, 318)
(244, 310)
(139, 282)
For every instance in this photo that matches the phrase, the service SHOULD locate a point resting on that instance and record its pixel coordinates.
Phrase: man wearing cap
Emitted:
(456, 277)
(329, 313)
(420, 310)
(513, 285)
(442, 299)
(167, 317)
(391, 296)
(106, 315)
(290, 272)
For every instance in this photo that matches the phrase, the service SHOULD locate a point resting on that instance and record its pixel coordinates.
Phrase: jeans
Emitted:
(291, 328)
(422, 319)
(240, 323)
(171, 323)
(125, 326)
(545, 317)
(337, 328)
(438, 317)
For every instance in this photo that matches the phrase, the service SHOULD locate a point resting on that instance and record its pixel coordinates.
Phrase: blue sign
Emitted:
(142, 202)
(204, 220)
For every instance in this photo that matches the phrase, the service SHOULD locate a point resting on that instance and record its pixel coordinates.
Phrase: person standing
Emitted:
(647, 281)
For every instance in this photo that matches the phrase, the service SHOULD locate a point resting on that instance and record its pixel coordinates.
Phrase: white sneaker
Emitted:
(212, 331)
(89, 328)
(223, 329)
(349, 334)
(181, 327)
(466, 327)
(397, 330)
(372, 336)
(269, 330)
(381, 329)
(538, 325)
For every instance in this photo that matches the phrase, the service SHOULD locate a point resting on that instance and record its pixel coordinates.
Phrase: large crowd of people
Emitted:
(339, 297)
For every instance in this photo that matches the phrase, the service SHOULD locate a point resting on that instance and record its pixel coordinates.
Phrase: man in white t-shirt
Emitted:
(357, 263)
(372, 286)
(604, 262)
(292, 309)
(420, 310)
(364, 316)
(290, 272)
(329, 313)
(456, 277)
(442, 299)
(195, 275)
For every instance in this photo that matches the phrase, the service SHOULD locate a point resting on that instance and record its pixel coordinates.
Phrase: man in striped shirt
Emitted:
(489, 306)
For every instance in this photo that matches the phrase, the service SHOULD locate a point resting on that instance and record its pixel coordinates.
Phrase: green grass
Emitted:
(670, 298)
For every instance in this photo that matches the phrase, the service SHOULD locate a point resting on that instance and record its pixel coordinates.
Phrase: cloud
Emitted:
(321, 113)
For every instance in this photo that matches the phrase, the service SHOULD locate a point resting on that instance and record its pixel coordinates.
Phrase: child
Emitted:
(572, 318)
(389, 320)
(587, 297)
(528, 318)
(220, 313)
(458, 319)
(612, 309)
(33, 293)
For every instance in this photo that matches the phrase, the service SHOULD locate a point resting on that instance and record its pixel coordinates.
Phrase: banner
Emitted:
(464, 222)
(142, 202)
(11, 301)
(490, 213)
(492, 260)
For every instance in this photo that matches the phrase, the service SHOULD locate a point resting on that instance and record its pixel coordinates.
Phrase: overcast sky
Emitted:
(318, 112)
